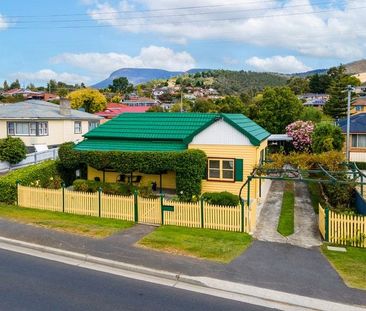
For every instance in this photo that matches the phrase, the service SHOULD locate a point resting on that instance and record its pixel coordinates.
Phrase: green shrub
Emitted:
(42, 175)
(107, 188)
(221, 198)
(189, 165)
(12, 150)
(327, 137)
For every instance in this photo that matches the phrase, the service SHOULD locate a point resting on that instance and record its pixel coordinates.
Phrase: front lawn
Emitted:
(221, 246)
(286, 221)
(351, 265)
(83, 225)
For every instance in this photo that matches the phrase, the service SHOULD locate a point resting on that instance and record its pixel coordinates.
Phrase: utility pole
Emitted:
(349, 89)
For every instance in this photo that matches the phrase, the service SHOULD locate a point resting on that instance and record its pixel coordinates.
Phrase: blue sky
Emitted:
(85, 40)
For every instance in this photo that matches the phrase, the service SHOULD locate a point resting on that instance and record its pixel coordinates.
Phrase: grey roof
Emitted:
(279, 137)
(39, 109)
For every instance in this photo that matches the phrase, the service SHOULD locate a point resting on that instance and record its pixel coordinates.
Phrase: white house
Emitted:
(39, 123)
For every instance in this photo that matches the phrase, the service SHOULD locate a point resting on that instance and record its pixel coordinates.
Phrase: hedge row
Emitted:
(43, 174)
(189, 165)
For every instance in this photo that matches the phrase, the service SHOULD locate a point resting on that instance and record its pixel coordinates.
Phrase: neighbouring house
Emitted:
(135, 101)
(38, 122)
(29, 94)
(357, 136)
(314, 100)
(114, 109)
(233, 143)
(359, 105)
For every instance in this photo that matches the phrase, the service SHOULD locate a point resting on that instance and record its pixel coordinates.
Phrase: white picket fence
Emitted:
(32, 158)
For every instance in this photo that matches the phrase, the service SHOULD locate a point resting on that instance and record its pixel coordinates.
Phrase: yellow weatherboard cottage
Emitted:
(233, 143)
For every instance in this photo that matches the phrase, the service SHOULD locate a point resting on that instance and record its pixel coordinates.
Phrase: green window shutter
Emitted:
(238, 169)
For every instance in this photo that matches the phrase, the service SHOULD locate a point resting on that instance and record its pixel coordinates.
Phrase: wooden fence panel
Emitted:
(117, 207)
(81, 203)
(321, 221)
(184, 214)
(149, 211)
(222, 217)
(39, 198)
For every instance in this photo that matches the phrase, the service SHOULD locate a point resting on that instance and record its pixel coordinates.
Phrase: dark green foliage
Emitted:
(121, 85)
(107, 188)
(12, 150)
(42, 175)
(319, 84)
(221, 198)
(236, 82)
(311, 114)
(278, 108)
(298, 85)
(327, 137)
(189, 165)
(340, 196)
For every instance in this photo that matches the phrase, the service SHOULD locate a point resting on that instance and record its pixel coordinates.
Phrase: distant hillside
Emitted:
(356, 67)
(229, 82)
(142, 75)
(310, 73)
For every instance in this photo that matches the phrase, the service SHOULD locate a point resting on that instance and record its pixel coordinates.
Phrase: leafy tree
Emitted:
(52, 86)
(156, 108)
(230, 104)
(203, 105)
(89, 99)
(121, 85)
(177, 106)
(12, 150)
(62, 92)
(31, 87)
(15, 84)
(298, 85)
(116, 99)
(311, 114)
(278, 107)
(327, 137)
(319, 84)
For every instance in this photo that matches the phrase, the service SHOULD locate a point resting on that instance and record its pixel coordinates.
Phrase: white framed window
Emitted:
(43, 129)
(77, 127)
(221, 169)
(23, 128)
(359, 140)
(93, 125)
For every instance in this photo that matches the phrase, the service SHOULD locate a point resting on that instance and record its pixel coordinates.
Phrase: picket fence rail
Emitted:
(143, 210)
(342, 229)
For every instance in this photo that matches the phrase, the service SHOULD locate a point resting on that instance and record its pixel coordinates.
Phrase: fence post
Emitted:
(162, 208)
(135, 206)
(202, 214)
(99, 201)
(242, 215)
(63, 197)
(17, 191)
(327, 224)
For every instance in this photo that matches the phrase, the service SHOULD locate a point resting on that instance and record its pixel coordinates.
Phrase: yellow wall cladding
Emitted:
(111, 177)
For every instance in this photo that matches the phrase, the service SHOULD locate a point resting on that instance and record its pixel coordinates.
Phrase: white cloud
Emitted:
(3, 23)
(283, 64)
(338, 32)
(45, 75)
(149, 57)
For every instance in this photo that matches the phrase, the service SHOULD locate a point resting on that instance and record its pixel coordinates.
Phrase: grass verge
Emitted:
(83, 225)
(351, 265)
(221, 246)
(315, 195)
(286, 221)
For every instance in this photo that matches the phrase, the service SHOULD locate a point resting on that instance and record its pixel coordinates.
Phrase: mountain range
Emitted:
(142, 75)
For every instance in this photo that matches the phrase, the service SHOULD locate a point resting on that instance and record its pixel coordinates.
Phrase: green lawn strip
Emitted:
(315, 195)
(83, 225)
(221, 246)
(351, 265)
(286, 221)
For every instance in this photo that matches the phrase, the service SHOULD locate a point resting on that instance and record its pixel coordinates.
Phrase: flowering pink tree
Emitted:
(301, 132)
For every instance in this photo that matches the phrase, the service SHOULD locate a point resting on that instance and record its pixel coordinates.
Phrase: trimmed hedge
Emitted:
(107, 188)
(12, 150)
(221, 198)
(189, 165)
(43, 174)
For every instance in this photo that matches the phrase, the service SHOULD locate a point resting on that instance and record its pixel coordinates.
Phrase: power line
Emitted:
(161, 16)
(190, 21)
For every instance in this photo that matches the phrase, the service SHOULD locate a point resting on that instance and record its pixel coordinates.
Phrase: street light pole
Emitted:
(349, 89)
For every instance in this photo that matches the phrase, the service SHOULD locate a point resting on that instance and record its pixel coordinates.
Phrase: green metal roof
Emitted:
(128, 145)
(163, 131)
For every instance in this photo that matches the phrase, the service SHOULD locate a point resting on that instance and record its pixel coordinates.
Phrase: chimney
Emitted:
(65, 108)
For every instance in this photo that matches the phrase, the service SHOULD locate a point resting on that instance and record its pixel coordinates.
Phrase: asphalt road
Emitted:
(30, 283)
